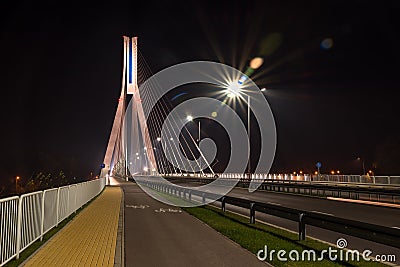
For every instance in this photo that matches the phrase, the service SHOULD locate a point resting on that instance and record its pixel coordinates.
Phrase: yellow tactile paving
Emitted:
(89, 239)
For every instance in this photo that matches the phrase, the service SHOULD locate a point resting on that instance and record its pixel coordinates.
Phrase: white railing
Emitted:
(368, 179)
(26, 218)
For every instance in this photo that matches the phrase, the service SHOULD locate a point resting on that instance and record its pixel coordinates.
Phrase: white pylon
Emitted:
(129, 86)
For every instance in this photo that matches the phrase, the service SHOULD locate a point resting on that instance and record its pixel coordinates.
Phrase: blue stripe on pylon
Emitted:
(130, 60)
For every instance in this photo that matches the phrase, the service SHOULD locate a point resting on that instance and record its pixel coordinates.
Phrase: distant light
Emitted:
(233, 89)
(137, 153)
(189, 118)
(263, 89)
(338, 172)
(171, 139)
(370, 171)
(315, 172)
(326, 44)
(332, 172)
(17, 177)
(137, 157)
(242, 79)
(145, 148)
(145, 169)
(301, 172)
(294, 172)
(256, 62)
(158, 139)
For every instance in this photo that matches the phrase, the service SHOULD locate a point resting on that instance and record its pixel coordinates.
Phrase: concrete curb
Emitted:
(119, 260)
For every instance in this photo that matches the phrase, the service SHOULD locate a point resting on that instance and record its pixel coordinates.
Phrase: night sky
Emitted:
(333, 100)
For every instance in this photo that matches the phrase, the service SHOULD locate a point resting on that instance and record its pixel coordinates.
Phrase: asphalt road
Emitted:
(366, 213)
(160, 235)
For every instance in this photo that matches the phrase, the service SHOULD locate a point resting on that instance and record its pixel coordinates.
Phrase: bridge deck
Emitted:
(89, 239)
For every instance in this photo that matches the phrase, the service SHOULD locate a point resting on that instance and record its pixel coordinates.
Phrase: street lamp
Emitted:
(234, 90)
(190, 118)
(16, 184)
(363, 164)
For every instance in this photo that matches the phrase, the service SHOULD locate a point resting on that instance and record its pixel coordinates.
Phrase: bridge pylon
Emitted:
(117, 150)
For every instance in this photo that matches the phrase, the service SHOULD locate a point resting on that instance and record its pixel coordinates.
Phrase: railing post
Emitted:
(223, 204)
(57, 206)
(252, 213)
(68, 201)
(76, 194)
(42, 220)
(19, 226)
(302, 227)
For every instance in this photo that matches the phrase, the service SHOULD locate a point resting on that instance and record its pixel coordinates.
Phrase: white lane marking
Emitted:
(137, 206)
(320, 212)
(383, 204)
(169, 210)
(273, 203)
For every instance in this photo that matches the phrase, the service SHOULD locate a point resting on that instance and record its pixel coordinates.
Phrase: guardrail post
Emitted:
(302, 227)
(190, 195)
(223, 204)
(252, 213)
(203, 196)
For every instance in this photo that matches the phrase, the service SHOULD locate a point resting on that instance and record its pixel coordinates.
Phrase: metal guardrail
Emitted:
(392, 192)
(26, 218)
(375, 233)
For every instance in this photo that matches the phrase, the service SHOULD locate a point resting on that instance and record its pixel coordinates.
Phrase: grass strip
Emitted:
(254, 237)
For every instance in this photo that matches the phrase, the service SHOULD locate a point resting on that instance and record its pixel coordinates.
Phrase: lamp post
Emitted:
(233, 90)
(190, 118)
(16, 184)
(363, 164)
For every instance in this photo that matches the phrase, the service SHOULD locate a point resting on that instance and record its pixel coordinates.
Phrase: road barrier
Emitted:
(26, 218)
(384, 193)
(364, 179)
(375, 233)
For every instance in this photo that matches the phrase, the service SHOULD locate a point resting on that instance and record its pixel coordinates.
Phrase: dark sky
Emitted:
(61, 73)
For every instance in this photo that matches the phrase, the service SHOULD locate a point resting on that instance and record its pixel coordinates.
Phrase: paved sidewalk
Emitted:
(89, 239)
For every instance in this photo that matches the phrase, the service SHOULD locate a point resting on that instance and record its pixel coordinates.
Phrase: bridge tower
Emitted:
(116, 148)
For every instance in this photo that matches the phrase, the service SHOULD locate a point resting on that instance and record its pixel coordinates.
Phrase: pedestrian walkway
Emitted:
(89, 239)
